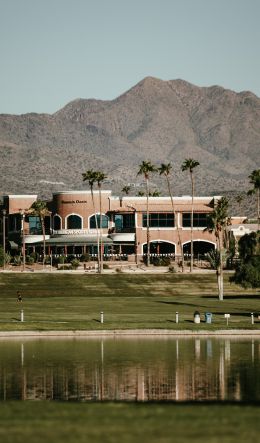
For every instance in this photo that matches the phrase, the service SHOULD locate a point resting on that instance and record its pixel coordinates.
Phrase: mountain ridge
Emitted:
(156, 120)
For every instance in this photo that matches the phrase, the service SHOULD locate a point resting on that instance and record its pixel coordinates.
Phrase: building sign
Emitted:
(72, 202)
(74, 231)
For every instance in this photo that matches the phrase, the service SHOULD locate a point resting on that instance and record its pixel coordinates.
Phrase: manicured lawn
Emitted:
(40, 422)
(74, 301)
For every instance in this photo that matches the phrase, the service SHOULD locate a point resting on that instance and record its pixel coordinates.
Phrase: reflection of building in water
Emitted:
(207, 374)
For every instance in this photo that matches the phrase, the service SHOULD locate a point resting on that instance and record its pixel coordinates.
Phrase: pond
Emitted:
(136, 369)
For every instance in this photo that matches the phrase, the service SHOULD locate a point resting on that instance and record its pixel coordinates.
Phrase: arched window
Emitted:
(56, 222)
(200, 247)
(92, 221)
(74, 222)
(159, 247)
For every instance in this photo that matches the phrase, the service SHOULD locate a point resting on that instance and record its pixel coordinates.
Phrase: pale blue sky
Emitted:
(54, 51)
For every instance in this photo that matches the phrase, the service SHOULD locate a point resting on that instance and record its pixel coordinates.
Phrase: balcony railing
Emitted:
(118, 230)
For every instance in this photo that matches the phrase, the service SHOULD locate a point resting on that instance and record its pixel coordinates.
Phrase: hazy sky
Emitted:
(54, 51)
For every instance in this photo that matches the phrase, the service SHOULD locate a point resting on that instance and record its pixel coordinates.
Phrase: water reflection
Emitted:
(130, 370)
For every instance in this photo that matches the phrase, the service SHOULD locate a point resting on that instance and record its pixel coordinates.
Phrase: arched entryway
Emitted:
(200, 248)
(159, 247)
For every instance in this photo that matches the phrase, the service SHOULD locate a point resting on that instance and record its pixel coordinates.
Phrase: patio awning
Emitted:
(79, 240)
(13, 245)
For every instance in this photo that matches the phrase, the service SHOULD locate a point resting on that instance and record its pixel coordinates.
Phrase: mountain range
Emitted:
(156, 120)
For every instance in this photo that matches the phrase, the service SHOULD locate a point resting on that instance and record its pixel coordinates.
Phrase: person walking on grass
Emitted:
(19, 297)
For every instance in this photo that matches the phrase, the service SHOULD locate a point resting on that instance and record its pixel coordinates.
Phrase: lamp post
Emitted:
(22, 212)
(4, 214)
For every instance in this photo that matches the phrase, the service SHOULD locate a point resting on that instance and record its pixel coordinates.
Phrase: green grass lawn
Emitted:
(69, 302)
(38, 422)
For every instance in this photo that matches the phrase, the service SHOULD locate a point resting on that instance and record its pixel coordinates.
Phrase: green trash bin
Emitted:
(208, 317)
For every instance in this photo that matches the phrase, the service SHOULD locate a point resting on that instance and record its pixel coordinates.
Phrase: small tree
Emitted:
(217, 223)
(39, 209)
(126, 190)
(247, 272)
(254, 178)
(5, 257)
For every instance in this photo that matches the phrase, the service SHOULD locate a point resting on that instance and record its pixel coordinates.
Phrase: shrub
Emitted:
(35, 256)
(172, 269)
(70, 258)
(105, 266)
(62, 259)
(4, 257)
(29, 260)
(17, 260)
(74, 263)
(247, 273)
(161, 261)
(66, 267)
(85, 257)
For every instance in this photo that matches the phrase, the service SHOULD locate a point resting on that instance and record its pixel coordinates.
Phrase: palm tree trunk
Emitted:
(44, 239)
(100, 230)
(96, 222)
(147, 223)
(191, 232)
(258, 208)
(220, 271)
(177, 225)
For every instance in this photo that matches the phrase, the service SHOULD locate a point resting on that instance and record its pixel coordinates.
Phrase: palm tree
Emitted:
(217, 222)
(91, 177)
(154, 193)
(39, 209)
(255, 181)
(100, 177)
(147, 168)
(126, 189)
(239, 199)
(189, 165)
(166, 170)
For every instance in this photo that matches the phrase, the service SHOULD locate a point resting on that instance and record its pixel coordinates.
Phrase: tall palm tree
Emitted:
(218, 220)
(165, 169)
(91, 177)
(39, 209)
(126, 190)
(189, 165)
(254, 178)
(146, 169)
(100, 177)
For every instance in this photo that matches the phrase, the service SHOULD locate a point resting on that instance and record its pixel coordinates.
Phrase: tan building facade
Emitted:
(71, 227)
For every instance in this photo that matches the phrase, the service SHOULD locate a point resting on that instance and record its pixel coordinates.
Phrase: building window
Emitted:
(124, 222)
(34, 225)
(56, 222)
(92, 221)
(159, 220)
(200, 220)
(12, 219)
(74, 222)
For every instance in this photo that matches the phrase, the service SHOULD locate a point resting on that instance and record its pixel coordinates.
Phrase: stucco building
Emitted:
(71, 226)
